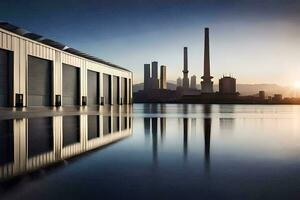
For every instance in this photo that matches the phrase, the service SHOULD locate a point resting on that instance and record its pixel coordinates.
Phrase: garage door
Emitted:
(71, 85)
(116, 90)
(39, 82)
(6, 66)
(93, 88)
(124, 90)
(107, 88)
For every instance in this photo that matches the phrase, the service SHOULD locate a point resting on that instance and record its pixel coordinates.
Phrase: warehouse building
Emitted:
(36, 71)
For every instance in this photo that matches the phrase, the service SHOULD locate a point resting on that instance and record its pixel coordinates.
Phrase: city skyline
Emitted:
(255, 41)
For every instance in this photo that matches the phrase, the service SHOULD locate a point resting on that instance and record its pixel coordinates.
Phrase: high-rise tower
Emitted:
(185, 81)
(147, 77)
(206, 84)
(163, 77)
(155, 81)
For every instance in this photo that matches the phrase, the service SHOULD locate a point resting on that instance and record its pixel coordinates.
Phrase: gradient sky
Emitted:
(257, 41)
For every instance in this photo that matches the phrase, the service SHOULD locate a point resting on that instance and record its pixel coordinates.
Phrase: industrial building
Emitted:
(36, 71)
(227, 85)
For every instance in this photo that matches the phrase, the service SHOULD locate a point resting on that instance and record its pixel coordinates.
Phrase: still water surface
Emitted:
(166, 152)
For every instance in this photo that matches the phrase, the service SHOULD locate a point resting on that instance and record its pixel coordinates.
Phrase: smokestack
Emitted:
(185, 68)
(206, 84)
(206, 53)
(185, 59)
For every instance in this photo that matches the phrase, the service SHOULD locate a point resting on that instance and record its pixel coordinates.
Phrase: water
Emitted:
(166, 152)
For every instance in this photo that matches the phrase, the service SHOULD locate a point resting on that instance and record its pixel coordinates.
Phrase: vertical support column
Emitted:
(83, 131)
(57, 76)
(83, 80)
(120, 100)
(16, 69)
(101, 126)
(57, 136)
(23, 144)
(111, 89)
(128, 95)
(100, 87)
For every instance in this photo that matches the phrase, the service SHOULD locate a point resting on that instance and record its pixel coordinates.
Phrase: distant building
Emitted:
(155, 81)
(227, 85)
(262, 95)
(194, 82)
(163, 77)
(277, 98)
(179, 82)
(147, 78)
(185, 81)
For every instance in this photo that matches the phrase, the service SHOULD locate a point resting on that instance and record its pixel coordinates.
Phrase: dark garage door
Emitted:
(116, 90)
(40, 136)
(6, 78)
(107, 88)
(93, 87)
(124, 90)
(71, 85)
(39, 82)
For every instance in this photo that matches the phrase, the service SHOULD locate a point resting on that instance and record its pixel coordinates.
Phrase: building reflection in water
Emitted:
(163, 123)
(185, 137)
(226, 124)
(154, 138)
(31, 143)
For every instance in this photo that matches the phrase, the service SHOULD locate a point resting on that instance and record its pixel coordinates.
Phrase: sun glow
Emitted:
(297, 84)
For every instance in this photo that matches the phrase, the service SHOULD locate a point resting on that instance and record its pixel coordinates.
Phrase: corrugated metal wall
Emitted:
(22, 48)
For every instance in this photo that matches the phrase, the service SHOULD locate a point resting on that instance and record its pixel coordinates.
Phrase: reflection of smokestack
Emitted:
(185, 68)
(185, 137)
(207, 130)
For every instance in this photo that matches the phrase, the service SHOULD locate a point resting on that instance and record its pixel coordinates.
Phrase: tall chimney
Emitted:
(206, 84)
(185, 68)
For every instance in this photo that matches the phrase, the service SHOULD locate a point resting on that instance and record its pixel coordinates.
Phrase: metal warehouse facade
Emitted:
(36, 71)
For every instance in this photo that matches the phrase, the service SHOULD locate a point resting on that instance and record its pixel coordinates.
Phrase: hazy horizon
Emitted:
(255, 41)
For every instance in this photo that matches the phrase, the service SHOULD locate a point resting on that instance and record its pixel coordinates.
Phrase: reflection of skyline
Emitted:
(31, 143)
(153, 127)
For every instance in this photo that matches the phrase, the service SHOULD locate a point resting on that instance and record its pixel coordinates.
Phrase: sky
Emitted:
(256, 41)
